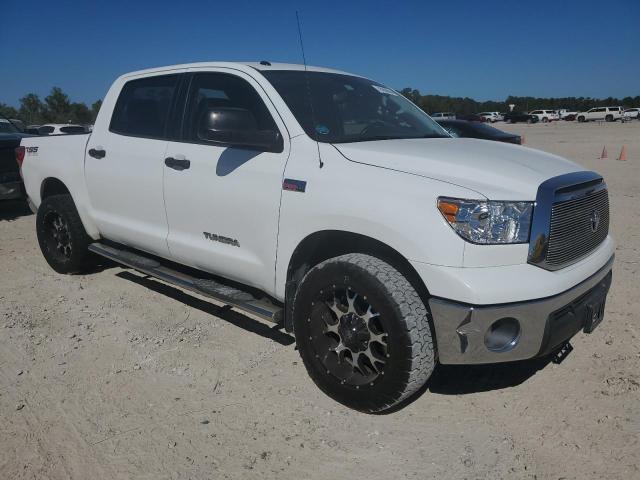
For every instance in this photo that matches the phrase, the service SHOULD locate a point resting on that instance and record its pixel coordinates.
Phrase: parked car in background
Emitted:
(443, 116)
(545, 115)
(491, 117)
(518, 117)
(10, 181)
(465, 129)
(608, 114)
(60, 129)
(631, 113)
(564, 113)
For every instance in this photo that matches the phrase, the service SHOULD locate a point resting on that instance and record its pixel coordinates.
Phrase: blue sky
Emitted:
(484, 49)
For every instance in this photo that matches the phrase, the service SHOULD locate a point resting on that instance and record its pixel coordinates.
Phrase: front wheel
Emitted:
(63, 240)
(363, 332)
(608, 118)
(581, 119)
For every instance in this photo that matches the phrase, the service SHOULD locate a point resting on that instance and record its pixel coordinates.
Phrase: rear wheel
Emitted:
(545, 120)
(363, 332)
(608, 118)
(62, 237)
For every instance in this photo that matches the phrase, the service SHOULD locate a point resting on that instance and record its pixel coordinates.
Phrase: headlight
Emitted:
(488, 222)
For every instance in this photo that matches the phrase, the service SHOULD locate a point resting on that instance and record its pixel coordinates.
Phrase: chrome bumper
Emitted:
(460, 328)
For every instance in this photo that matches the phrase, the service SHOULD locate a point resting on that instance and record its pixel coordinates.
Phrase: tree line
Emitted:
(466, 105)
(58, 108)
(55, 108)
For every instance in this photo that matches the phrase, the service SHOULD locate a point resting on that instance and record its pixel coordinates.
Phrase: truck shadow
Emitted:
(463, 379)
(223, 312)
(12, 209)
(466, 379)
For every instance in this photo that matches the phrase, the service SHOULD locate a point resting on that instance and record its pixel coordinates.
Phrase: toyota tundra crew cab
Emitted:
(331, 205)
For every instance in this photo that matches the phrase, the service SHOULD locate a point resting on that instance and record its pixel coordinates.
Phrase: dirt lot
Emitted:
(115, 376)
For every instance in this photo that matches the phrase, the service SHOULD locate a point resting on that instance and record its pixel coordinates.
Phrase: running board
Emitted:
(226, 294)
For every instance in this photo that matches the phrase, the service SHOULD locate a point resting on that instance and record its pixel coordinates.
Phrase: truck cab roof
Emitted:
(243, 66)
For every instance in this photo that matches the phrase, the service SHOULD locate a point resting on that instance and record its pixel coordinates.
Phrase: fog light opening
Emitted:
(503, 335)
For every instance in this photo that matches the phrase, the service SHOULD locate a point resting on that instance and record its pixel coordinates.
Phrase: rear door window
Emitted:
(143, 107)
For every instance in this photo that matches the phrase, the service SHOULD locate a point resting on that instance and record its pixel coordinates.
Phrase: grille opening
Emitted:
(577, 227)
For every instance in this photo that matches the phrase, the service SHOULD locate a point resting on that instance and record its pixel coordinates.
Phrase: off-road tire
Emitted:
(78, 259)
(402, 313)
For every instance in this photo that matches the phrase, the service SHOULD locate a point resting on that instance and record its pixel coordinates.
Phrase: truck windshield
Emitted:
(336, 108)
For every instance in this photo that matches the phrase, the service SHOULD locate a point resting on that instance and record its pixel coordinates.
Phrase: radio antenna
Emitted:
(306, 76)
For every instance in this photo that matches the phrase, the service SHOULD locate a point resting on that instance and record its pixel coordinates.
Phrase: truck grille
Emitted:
(577, 227)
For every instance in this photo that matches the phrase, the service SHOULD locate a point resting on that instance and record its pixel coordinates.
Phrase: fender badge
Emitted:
(294, 185)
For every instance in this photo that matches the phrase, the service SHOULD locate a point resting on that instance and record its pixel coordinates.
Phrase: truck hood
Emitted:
(495, 170)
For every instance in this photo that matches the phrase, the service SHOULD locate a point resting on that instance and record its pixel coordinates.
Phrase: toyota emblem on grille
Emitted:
(595, 220)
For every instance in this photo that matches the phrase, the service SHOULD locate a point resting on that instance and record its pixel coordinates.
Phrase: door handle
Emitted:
(97, 152)
(177, 163)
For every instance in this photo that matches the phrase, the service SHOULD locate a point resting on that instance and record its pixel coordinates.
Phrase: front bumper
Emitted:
(544, 324)
(11, 190)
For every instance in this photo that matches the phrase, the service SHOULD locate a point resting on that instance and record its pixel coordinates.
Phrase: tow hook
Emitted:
(562, 353)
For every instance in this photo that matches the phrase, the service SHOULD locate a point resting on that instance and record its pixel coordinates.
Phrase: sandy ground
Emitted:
(114, 376)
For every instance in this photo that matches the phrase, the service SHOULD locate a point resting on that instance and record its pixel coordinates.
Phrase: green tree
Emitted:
(57, 106)
(31, 109)
(95, 108)
(80, 113)
(8, 111)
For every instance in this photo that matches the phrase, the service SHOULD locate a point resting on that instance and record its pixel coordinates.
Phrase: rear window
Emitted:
(73, 129)
(45, 130)
(143, 107)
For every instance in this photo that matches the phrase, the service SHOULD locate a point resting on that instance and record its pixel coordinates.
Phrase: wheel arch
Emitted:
(322, 245)
(53, 186)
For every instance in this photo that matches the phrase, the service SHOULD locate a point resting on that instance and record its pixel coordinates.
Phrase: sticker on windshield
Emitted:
(385, 90)
(322, 129)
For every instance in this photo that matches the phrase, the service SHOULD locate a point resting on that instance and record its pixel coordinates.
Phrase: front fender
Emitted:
(395, 208)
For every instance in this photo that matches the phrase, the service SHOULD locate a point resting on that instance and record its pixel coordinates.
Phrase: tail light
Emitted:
(20, 155)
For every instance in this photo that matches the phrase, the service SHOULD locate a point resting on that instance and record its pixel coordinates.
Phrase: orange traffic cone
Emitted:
(603, 155)
(623, 153)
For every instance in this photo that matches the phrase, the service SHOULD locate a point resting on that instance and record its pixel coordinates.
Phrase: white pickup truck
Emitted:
(330, 204)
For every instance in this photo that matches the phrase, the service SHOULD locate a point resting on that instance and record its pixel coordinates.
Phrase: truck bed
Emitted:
(53, 156)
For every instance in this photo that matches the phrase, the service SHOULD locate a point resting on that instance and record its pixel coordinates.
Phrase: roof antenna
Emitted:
(306, 76)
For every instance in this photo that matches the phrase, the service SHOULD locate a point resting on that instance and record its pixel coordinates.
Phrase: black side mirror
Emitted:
(237, 127)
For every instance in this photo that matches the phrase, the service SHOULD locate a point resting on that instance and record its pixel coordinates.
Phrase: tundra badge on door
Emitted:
(219, 238)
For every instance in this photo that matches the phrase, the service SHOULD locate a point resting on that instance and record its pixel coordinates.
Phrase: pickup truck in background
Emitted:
(11, 186)
(330, 204)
